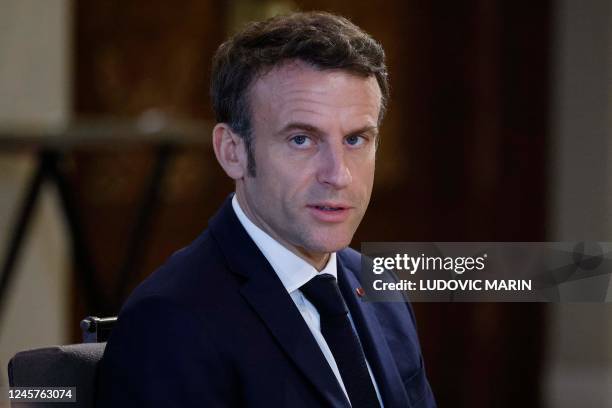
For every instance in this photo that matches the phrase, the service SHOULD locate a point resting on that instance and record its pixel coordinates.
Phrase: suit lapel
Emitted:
(370, 333)
(264, 291)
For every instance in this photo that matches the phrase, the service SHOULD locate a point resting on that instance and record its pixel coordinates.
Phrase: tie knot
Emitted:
(323, 292)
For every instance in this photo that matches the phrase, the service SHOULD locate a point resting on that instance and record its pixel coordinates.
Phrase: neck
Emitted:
(319, 263)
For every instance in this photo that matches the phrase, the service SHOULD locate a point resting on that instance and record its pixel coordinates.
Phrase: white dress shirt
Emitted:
(294, 272)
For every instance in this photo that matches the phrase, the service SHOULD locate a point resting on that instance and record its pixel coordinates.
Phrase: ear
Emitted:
(230, 151)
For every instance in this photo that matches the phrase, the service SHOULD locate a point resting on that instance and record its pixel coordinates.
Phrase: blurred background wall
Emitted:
(35, 88)
(498, 130)
(579, 352)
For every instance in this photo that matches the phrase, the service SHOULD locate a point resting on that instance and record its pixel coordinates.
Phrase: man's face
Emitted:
(314, 147)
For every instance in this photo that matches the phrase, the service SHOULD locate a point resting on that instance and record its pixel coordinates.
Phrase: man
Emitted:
(264, 309)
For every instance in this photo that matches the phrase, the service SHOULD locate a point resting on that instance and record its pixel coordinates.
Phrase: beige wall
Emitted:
(34, 89)
(580, 353)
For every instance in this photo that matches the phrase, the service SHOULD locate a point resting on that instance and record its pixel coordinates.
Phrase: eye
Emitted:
(301, 140)
(355, 140)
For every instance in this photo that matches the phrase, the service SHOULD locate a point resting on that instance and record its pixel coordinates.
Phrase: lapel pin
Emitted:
(360, 292)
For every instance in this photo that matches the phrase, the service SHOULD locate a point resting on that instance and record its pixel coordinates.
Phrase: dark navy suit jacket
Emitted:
(214, 327)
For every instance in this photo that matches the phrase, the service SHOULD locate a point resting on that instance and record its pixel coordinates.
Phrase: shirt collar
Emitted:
(292, 270)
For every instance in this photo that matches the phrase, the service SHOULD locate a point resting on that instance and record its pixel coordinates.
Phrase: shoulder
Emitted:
(352, 262)
(177, 298)
(349, 258)
(388, 301)
(185, 276)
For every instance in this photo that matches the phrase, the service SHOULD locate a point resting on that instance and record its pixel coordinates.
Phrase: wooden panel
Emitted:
(131, 57)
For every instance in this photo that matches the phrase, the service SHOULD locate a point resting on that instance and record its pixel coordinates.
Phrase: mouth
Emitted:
(329, 212)
(328, 208)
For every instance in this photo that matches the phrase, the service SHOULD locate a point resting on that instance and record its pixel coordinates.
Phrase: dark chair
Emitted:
(73, 365)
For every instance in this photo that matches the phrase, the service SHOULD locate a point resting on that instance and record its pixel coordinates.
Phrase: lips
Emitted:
(328, 208)
(329, 205)
(329, 212)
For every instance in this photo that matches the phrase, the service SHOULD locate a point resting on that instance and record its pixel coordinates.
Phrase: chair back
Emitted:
(73, 365)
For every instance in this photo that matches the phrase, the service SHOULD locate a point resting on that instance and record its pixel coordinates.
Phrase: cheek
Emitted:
(276, 190)
(287, 180)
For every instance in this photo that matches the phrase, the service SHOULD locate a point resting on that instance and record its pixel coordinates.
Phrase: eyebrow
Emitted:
(313, 129)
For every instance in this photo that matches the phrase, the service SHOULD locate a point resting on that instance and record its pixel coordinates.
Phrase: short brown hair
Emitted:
(323, 40)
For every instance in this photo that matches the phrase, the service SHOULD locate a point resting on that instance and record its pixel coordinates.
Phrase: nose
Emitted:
(333, 168)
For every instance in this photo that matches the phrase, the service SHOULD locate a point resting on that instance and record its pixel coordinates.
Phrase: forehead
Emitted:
(296, 88)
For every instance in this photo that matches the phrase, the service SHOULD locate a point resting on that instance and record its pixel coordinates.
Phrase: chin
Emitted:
(327, 244)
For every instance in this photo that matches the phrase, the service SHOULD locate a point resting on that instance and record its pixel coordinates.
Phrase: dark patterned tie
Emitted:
(323, 292)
